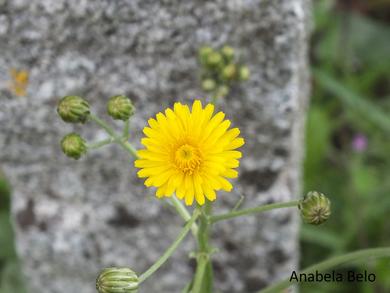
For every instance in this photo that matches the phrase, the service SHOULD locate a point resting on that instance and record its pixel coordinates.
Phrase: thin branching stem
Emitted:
(183, 233)
(255, 210)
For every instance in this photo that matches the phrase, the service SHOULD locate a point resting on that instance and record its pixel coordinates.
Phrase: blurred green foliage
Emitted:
(10, 276)
(350, 101)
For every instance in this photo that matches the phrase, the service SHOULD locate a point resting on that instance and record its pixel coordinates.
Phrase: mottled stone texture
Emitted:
(74, 217)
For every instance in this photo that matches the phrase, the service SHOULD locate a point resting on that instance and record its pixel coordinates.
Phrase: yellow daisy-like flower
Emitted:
(19, 82)
(190, 153)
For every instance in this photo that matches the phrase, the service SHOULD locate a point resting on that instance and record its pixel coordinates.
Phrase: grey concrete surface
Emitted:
(73, 218)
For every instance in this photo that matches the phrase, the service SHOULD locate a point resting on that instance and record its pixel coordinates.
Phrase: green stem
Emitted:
(126, 129)
(171, 249)
(126, 145)
(183, 212)
(249, 211)
(332, 262)
(203, 257)
(99, 144)
(202, 261)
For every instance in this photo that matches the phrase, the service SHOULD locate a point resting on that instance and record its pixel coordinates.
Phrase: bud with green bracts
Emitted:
(315, 208)
(204, 53)
(73, 145)
(229, 72)
(208, 85)
(73, 109)
(222, 91)
(228, 53)
(117, 280)
(243, 73)
(120, 107)
(214, 59)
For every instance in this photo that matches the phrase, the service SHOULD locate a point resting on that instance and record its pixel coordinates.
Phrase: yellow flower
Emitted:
(190, 153)
(19, 82)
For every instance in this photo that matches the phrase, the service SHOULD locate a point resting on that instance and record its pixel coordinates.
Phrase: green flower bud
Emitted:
(208, 85)
(228, 53)
(204, 53)
(117, 280)
(222, 91)
(315, 208)
(120, 107)
(243, 73)
(229, 72)
(214, 59)
(73, 145)
(73, 109)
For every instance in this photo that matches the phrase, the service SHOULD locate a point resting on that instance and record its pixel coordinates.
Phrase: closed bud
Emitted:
(204, 53)
(315, 208)
(73, 145)
(117, 280)
(214, 59)
(208, 85)
(120, 107)
(222, 91)
(228, 53)
(73, 109)
(229, 72)
(243, 73)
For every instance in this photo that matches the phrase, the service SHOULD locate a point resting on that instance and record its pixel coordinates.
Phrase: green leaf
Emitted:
(364, 180)
(7, 250)
(363, 33)
(186, 289)
(322, 237)
(317, 142)
(362, 106)
(207, 286)
(4, 193)
(12, 279)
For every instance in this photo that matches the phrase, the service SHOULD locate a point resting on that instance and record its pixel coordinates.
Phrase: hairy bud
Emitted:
(115, 280)
(120, 107)
(315, 208)
(73, 109)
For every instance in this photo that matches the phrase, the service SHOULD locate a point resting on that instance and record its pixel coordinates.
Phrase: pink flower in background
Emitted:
(359, 142)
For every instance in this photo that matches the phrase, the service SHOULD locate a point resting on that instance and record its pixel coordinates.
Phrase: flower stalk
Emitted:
(127, 146)
(183, 212)
(171, 249)
(203, 255)
(250, 211)
(100, 144)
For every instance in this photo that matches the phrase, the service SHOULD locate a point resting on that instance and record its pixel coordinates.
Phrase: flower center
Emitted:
(187, 158)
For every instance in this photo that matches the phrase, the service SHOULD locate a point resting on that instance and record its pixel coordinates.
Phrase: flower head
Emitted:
(114, 280)
(120, 107)
(315, 208)
(190, 153)
(359, 143)
(73, 145)
(19, 82)
(73, 109)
